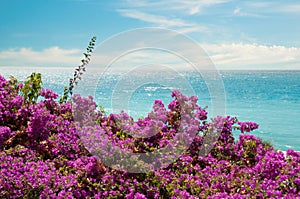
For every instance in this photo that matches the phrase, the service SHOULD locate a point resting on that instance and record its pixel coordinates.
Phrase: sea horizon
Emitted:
(269, 97)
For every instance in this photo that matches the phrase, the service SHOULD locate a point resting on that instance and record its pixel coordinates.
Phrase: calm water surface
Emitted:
(270, 98)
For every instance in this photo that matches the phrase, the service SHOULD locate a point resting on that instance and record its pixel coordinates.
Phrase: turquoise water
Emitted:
(270, 98)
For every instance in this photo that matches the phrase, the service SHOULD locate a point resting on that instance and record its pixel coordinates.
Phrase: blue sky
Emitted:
(237, 34)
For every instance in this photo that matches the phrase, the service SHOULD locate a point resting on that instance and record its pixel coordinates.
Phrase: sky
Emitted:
(236, 34)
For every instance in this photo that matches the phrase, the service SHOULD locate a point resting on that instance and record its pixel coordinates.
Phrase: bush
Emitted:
(42, 152)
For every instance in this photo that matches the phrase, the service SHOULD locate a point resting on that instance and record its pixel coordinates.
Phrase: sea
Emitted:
(269, 98)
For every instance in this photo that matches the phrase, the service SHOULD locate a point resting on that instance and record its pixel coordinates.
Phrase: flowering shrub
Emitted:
(45, 152)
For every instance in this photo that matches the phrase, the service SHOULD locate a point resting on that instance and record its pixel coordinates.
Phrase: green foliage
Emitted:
(32, 88)
(12, 85)
(267, 143)
(64, 97)
(102, 110)
(68, 90)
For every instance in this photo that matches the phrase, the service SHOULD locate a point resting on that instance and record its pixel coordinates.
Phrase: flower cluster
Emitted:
(63, 150)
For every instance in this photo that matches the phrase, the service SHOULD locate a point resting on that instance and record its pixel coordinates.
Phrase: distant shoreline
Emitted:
(93, 68)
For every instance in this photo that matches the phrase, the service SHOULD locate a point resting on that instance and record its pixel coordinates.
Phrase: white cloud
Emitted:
(239, 12)
(265, 7)
(238, 56)
(291, 8)
(234, 56)
(190, 7)
(161, 13)
(154, 19)
(261, 4)
(253, 56)
(196, 7)
(53, 56)
(162, 21)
